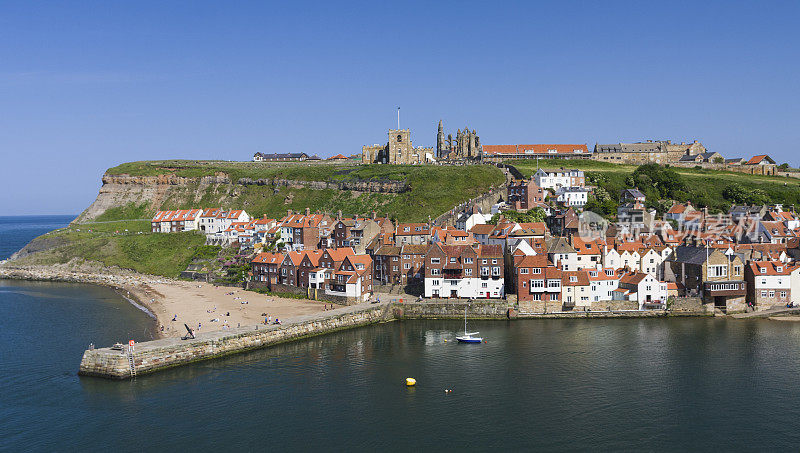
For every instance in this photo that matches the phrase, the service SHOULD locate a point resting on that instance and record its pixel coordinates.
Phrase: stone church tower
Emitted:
(441, 149)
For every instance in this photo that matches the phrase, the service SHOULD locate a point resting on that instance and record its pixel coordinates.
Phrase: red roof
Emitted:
(755, 160)
(535, 149)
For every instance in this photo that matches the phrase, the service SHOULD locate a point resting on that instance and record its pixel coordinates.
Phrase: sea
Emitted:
(693, 384)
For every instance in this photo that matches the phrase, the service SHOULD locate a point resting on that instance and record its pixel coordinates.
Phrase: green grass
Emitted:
(705, 186)
(433, 189)
(128, 211)
(165, 254)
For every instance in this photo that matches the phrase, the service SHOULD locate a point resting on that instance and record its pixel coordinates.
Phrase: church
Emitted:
(400, 150)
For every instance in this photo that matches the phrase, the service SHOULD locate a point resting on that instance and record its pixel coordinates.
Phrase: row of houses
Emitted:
(337, 272)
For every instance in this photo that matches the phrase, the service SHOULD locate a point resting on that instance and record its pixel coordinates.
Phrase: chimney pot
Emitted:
(308, 211)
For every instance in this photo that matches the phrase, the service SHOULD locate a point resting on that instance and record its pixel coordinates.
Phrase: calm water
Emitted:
(17, 231)
(691, 384)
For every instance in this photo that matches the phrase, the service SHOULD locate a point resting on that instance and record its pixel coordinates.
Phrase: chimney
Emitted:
(339, 214)
(308, 211)
(288, 213)
(374, 215)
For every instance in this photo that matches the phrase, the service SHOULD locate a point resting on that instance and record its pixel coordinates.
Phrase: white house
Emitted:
(553, 179)
(572, 196)
(642, 288)
(602, 282)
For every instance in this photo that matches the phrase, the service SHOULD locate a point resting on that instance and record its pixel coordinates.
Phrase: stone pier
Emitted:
(156, 355)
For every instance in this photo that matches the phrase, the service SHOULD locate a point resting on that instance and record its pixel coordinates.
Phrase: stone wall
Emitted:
(356, 185)
(449, 308)
(484, 201)
(159, 354)
(154, 355)
(310, 293)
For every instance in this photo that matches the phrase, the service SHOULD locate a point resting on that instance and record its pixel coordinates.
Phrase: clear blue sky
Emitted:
(87, 85)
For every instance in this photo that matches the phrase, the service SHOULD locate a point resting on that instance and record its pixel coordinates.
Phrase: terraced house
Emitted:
(467, 272)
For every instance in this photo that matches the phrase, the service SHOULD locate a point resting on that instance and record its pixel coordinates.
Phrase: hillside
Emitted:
(704, 188)
(111, 231)
(408, 193)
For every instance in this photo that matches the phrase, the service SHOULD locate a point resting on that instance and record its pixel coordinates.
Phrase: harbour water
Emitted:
(550, 385)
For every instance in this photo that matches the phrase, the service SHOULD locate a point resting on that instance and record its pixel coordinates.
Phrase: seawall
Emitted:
(160, 354)
(155, 355)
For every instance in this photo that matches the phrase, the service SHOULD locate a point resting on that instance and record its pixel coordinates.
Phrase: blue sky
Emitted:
(87, 85)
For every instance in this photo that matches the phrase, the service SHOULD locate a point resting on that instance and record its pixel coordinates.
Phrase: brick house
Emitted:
(265, 267)
(412, 262)
(524, 195)
(538, 284)
(464, 271)
(387, 267)
(352, 279)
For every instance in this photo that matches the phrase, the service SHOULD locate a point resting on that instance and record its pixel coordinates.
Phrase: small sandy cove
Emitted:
(212, 307)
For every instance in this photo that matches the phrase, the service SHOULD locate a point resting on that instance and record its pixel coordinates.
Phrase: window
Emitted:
(772, 294)
(452, 260)
(435, 282)
(494, 261)
(523, 271)
(434, 260)
(573, 278)
(536, 296)
(737, 270)
(783, 294)
(763, 270)
(537, 284)
(394, 268)
(468, 260)
(554, 283)
(718, 271)
(468, 271)
(483, 285)
(436, 272)
(485, 261)
(536, 270)
(763, 294)
(394, 258)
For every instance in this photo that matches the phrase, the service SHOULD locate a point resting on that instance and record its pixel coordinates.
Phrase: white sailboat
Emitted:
(468, 337)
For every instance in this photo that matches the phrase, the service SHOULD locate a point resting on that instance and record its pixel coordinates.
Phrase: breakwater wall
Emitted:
(151, 356)
(155, 355)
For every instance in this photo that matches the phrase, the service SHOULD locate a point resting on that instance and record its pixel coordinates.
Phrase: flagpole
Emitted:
(398, 117)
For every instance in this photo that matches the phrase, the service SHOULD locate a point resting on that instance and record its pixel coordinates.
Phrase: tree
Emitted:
(719, 160)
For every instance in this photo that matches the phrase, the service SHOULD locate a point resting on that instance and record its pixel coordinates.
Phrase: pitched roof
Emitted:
(755, 160)
(482, 228)
(268, 258)
(535, 149)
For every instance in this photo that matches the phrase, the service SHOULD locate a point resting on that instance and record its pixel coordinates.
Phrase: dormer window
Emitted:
(573, 279)
(763, 270)
(779, 268)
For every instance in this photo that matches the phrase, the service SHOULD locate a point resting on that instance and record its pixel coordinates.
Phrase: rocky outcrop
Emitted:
(153, 191)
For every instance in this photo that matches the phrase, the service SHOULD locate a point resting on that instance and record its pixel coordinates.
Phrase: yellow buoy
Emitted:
(410, 381)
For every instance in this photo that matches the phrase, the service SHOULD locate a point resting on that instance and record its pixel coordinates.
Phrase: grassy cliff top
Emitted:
(432, 190)
(305, 171)
(705, 187)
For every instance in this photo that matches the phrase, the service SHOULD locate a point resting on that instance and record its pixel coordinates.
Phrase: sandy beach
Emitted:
(197, 304)
(212, 307)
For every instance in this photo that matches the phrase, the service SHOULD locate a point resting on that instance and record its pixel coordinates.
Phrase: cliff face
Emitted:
(151, 193)
(122, 190)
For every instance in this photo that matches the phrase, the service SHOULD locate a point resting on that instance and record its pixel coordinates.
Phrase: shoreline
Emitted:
(196, 304)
